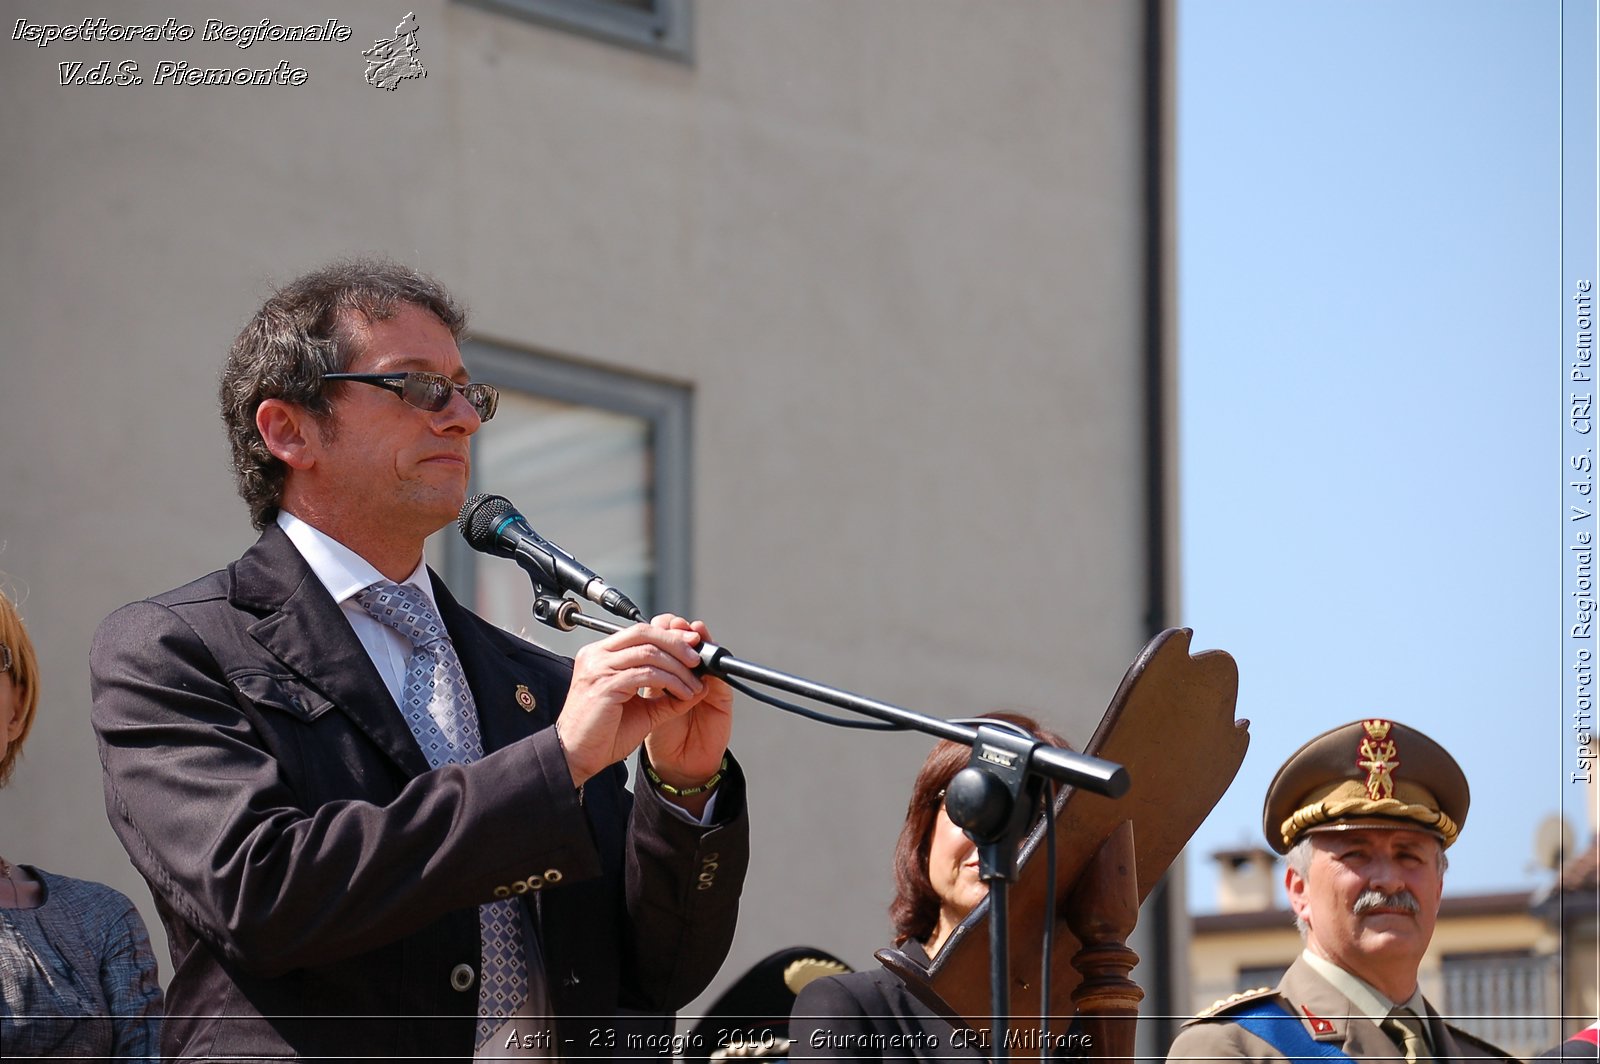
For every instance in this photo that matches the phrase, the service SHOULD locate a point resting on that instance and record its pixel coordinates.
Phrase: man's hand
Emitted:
(639, 686)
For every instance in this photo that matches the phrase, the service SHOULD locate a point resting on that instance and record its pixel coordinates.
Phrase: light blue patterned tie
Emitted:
(438, 706)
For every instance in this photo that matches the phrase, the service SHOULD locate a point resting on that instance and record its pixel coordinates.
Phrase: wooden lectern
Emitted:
(1171, 726)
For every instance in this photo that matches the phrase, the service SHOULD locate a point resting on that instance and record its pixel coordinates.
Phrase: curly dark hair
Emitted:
(915, 909)
(303, 331)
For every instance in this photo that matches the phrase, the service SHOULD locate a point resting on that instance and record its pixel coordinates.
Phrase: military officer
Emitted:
(1363, 814)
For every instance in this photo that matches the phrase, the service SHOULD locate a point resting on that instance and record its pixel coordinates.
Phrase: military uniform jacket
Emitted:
(1325, 1014)
(319, 883)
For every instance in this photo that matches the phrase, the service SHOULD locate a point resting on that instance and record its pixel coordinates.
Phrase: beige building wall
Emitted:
(896, 248)
(1216, 958)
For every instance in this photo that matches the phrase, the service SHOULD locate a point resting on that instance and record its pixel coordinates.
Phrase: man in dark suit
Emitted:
(374, 824)
(1363, 813)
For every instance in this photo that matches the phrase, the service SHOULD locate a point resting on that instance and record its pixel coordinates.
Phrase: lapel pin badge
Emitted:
(525, 698)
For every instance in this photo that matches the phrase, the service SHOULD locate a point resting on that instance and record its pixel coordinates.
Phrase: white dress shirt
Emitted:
(346, 574)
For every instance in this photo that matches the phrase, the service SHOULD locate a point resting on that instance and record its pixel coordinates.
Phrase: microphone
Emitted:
(490, 524)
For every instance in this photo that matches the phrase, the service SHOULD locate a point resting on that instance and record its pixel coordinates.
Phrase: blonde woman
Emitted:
(77, 978)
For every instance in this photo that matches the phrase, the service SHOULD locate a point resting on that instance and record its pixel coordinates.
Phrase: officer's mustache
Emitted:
(1371, 899)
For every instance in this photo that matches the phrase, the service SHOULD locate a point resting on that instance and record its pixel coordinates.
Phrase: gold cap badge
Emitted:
(1370, 773)
(1377, 755)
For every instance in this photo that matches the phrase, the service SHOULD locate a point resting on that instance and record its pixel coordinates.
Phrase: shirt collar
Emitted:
(1366, 998)
(1361, 993)
(342, 571)
(1419, 1005)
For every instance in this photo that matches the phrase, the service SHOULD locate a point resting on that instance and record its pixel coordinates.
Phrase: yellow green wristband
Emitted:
(685, 792)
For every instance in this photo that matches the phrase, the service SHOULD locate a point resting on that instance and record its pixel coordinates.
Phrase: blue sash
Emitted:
(1282, 1030)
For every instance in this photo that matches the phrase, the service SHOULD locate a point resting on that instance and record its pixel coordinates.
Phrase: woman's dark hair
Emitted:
(302, 332)
(915, 909)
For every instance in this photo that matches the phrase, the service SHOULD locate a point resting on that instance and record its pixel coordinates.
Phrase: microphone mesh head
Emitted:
(478, 518)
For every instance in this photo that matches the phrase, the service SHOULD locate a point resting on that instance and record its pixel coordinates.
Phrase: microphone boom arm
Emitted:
(1065, 766)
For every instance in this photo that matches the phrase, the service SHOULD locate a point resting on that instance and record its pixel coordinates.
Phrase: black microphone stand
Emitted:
(994, 799)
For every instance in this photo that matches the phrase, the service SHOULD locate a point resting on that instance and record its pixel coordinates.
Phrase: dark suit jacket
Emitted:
(319, 884)
(870, 1015)
(1326, 1015)
(1581, 1046)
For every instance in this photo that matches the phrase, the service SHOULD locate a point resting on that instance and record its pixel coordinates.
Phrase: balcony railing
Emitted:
(1512, 1001)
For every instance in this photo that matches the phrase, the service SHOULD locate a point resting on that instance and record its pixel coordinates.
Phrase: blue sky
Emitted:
(1371, 392)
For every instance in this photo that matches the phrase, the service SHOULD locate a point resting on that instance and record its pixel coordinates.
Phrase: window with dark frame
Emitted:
(662, 27)
(598, 462)
(1255, 976)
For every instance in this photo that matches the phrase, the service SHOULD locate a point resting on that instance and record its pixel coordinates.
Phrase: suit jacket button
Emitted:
(462, 977)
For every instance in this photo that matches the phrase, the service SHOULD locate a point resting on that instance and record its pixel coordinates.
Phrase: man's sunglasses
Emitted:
(428, 391)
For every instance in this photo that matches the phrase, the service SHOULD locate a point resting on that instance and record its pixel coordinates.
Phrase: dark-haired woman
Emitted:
(871, 1015)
